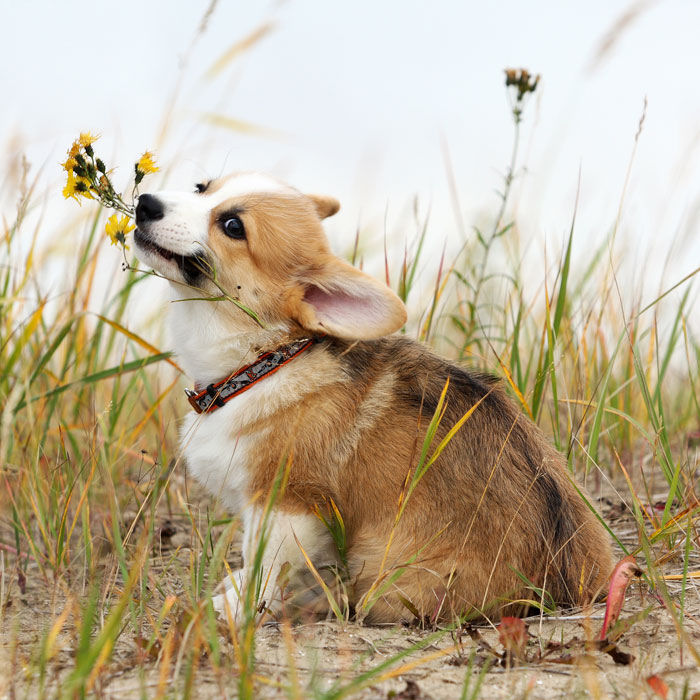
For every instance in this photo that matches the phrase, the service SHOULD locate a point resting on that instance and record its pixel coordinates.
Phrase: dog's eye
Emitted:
(201, 187)
(233, 228)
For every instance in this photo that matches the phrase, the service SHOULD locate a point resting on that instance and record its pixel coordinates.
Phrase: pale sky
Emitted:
(356, 97)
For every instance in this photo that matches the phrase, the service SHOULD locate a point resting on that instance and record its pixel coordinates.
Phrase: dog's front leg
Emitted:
(275, 569)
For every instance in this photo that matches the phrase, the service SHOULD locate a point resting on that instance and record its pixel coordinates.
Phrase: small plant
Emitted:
(472, 321)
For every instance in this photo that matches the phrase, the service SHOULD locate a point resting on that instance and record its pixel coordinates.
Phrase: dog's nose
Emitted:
(149, 208)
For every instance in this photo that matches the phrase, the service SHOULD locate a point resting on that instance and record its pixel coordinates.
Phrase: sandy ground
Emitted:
(327, 654)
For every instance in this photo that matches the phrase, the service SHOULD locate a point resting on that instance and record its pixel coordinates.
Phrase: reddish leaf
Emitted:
(657, 684)
(619, 580)
(512, 634)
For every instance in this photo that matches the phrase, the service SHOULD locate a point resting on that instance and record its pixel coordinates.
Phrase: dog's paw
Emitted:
(228, 604)
(230, 601)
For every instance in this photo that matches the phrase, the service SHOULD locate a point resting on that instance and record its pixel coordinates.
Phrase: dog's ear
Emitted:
(325, 205)
(346, 303)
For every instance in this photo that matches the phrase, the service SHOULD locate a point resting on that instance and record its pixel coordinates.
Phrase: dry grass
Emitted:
(108, 555)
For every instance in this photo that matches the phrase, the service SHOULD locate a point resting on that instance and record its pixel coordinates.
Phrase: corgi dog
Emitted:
(436, 521)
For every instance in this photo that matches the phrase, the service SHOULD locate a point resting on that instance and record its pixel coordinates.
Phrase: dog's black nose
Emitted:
(149, 208)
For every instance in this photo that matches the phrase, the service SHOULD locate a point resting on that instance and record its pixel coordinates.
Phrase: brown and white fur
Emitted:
(351, 414)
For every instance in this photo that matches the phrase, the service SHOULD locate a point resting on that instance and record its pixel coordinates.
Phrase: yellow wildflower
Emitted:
(117, 229)
(69, 190)
(147, 163)
(82, 187)
(88, 177)
(77, 187)
(69, 164)
(87, 139)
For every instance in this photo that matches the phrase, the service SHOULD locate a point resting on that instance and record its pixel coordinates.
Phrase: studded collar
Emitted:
(217, 394)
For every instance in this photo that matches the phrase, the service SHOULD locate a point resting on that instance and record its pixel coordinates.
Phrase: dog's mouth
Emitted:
(192, 267)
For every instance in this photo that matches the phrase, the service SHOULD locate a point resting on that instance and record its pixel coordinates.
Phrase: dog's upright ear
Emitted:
(325, 205)
(344, 302)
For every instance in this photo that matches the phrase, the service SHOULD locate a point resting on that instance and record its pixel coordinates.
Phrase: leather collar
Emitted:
(217, 395)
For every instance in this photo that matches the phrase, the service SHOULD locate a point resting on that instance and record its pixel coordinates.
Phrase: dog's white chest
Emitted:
(217, 456)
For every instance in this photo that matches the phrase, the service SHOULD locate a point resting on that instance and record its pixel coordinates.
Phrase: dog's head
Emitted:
(261, 242)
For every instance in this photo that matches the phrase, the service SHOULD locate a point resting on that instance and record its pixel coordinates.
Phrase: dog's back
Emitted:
(496, 517)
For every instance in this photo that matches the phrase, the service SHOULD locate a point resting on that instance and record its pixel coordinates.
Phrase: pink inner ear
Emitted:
(339, 307)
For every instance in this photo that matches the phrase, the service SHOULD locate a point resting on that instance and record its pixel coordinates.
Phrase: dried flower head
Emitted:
(522, 80)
